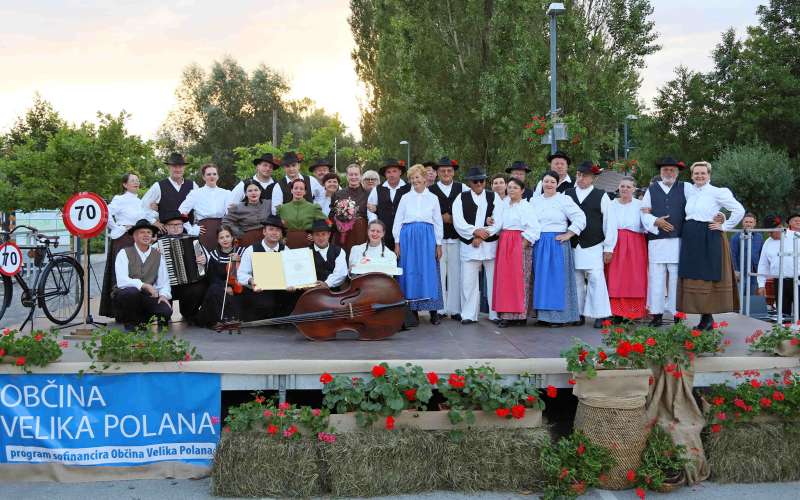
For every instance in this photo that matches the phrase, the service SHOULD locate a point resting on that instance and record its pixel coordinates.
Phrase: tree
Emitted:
(38, 125)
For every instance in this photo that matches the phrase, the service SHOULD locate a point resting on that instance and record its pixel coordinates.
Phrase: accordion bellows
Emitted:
(180, 255)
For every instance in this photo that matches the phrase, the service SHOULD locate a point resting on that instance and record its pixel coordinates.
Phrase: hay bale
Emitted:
(755, 453)
(254, 465)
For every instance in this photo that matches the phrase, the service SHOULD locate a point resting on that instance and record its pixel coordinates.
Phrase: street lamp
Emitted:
(555, 9)
(627, 147)
(408, 151)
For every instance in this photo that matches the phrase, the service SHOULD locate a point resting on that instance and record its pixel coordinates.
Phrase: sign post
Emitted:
(10, 259)
(85, 215)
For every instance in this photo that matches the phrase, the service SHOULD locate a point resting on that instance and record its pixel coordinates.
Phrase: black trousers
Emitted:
(788, 296)
(134, 307)
(211, 311)
(190, 298)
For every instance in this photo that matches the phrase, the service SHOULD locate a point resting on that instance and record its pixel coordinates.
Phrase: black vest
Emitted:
(387, 208)
(446, 205)
(672, 204)
(325, 267)
(564, 186)
(287, 191)
(171, 199)
(470, 211)
(593, 233)
(258, 246)
(527, 194)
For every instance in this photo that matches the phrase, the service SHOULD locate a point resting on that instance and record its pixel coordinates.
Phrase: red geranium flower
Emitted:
(581, 449)
(389, 422)
(456, 381)
(624, 348)
(631, 475)
(606, 322)
(640, 493)
(582, 356)
(619, 330)
(2, 352)
(680, 315)
(564, 473)
(689, 345)
(765, 402)
(378, 371)
(579, 487)
(716, 428)
(326, 378)
(502, 412)
(722, 415)
(637, 347)
(284, 406)
(433, 379)
(755, 383)
(719, 401)
(267, 413)
(518, 411)
(38, 337)
(572, 381)
(272, 429)
(650, 341)
(552, 392)
(602, 355)
(20, 361)
(696, 333)
(723, 324)
(260, 399)
(794, 341)
(411, 394)
(778, 396)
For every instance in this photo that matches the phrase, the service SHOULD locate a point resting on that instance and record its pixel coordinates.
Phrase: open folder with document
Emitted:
(280, 270)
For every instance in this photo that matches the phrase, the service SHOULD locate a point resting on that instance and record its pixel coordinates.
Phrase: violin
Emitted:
(372, 306)
(233, 269)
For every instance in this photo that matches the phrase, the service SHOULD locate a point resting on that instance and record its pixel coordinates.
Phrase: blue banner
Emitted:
(129, 419)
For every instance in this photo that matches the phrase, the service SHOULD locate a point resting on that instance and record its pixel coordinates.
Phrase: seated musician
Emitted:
(329, 259)
(223, 289)
(374, 254)
(142, 290)
(189, 295)
(257, 303)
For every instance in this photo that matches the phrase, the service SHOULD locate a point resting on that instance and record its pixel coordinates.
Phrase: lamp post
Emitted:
(335, 154)
(408, 151)
(555, 9)
(626, 146)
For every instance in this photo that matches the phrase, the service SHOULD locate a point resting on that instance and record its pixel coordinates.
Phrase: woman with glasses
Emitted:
(370, 179)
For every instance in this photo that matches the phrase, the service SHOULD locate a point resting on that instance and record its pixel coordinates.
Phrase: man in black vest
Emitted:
(329, 259)
(593, 247)
(166, 195)
(190, 295)
(384, 199)
(258, 303)
(450, 264)
(519, 170)
(291, 167)
(264, 166)
(559, 163)
(472, 215)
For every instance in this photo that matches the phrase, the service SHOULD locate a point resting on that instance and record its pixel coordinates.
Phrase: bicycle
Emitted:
(57, 285)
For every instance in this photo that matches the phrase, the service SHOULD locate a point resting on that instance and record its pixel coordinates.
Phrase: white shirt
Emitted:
(663, 250)
(245, 271)
(769, 265)
(519, 216)
(339, 273)
(124, 210)
(487, 249)
(558, 213)
(207, 203)
(629, 216)
(124, 280)
(237, 193)
(539, 189)
(372, 199)
(419, 207)
(153, 195)
(365, 254)
(317, 193)
(325, 205)
(707, 201)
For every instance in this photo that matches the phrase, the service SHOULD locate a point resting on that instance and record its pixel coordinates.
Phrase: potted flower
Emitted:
(279, 420)
(663, 463)
(783, 340)
(142, 345)
(40, 348)
(573, 465)
(772, 398)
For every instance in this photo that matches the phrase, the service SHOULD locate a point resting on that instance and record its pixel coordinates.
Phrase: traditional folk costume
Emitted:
(123, 212)
(365, 254)
(330, 262)
(511, 288)
(266, 303)
(450, 262)
(707, 283)
(555, 296)
(218, 269)
(247, 221)
(563, 184)
(527, 193)
(299, 215)
(283, 192)
(471, 211)
(626, 274)
(168, 195)
(189, 295)
(347, 234)
(769, 264)
(133, 268)
(237, 193)
(418, 228)
(209, 206)
(387, 198)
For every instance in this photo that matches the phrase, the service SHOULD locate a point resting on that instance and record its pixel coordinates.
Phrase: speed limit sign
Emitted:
(10, 259)
(85, 215)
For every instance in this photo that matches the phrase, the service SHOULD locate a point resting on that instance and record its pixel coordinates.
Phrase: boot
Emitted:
(705, 322)
(656, 320)
(598, 323)
(435, 318)
(580, 322)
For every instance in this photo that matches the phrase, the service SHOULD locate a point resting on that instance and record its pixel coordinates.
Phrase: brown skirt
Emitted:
(109, 279)
(356, 236)
(296, 238)
(710, 297)
(209, 238)
(251, 236)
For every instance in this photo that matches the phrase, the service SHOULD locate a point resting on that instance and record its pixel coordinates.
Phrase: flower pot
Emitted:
(785, 348)
(617, 388)
(438, 420)
(672, 482)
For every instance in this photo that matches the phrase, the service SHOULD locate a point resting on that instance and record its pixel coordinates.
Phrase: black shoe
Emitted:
(618, 320)
(502, 324)
(580, 322)
(496, 321)
(657, 320)
(705, 322)
(598, 323)
(468, 321)
(129, 327)
(543, 323)
(558, 325)
(435, 318)
(455, 317)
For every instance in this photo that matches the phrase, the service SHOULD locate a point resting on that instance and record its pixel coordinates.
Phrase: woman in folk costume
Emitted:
(246, 219)
(418, 231)
(626, 273)
(209, 203)
(349, 210)
(374, 254)
(222, 264)
(555, 296)
(298, 215)
(123, 212)
(706, 278)
(518, 225)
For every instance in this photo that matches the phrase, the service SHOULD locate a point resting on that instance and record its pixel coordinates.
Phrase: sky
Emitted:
(86, 56)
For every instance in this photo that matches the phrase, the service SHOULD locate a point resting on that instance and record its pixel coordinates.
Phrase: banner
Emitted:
(129, 419)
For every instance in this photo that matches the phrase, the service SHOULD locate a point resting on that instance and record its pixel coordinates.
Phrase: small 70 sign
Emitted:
(10, 259)
(85, 215)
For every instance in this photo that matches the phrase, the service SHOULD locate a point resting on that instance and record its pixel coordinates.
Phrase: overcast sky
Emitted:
(86, 56)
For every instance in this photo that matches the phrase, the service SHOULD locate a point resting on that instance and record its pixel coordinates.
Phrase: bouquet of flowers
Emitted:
(344, 215)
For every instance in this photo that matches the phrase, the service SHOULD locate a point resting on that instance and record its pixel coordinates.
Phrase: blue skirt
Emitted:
(555, 297)
(701, 252)
(420, 278)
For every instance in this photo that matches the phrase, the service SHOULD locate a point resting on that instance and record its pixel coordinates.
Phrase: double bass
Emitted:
(372, 306)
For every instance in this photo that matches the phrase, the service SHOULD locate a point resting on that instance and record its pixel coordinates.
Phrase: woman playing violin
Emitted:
(221, 270)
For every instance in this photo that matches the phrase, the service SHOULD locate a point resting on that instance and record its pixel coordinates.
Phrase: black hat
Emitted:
(172, 215)
(269, 158)
(446, 162)
(429, 164)
(518, 165)
(772, 221)
(143, 224)
(320, 225)
(589, 167)
(792, 216)
(475, 173)
(391, 162)
(320, 162)
(669, 161)
(274, 220)
(175, 159)
(559, 154)
(290, 157)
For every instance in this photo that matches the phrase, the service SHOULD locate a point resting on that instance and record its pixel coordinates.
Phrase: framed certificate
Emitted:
(280, 270)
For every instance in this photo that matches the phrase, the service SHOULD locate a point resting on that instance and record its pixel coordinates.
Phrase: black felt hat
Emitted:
(143, 224)
(269, 158)
(518, 165)
(320, 225)
(320, 162)
(559, 154)
(391, 162)
(446, 162)
(175, 159)
(274, 220)
(172, 215)
(772, 221)
(429, 163)
(589, 167)
(290, 157)
(669, 161)
(475, 173)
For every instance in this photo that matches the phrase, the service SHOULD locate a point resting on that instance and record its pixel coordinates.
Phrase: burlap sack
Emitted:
(671, 405)
(785, 348)
(611, 412)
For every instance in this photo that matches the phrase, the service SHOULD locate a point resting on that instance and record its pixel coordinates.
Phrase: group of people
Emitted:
(558, 251)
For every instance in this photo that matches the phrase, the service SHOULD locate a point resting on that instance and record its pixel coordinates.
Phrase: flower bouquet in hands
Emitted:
(344, 215)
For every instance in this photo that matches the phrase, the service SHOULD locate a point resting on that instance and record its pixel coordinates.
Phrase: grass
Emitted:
(755, 453)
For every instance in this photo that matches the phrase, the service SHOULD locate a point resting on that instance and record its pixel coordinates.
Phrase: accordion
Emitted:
(180, 255)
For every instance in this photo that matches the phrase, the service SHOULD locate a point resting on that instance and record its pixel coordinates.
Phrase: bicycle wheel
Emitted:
(6, 291)
(60, 291)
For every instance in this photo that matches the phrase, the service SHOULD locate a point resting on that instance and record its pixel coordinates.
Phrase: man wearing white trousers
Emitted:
(472, 215)
(450, 263)
(594, 246)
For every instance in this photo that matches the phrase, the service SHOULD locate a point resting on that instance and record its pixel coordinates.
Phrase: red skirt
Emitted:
(508, 289)
(626, 275)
